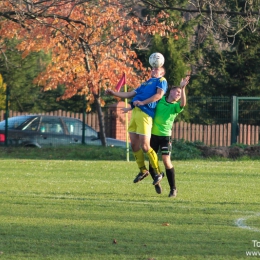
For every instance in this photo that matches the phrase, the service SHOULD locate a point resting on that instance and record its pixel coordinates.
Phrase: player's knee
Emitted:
(135, 147)
(167, 161)
(168, 165)
(145, 147)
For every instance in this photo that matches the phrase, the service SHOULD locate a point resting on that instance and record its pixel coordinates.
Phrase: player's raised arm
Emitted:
(183, 84)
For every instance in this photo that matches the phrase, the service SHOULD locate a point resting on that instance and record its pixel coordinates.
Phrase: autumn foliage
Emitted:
(91, 42)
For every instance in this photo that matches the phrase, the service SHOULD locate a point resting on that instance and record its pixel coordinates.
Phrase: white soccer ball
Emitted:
(156, 60)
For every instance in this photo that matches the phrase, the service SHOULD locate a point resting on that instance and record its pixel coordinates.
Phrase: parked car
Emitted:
(42, 130)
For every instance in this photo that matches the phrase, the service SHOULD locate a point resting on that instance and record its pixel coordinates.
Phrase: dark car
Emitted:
(42, 130)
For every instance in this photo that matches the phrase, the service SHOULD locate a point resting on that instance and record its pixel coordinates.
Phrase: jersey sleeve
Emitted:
(163, 84)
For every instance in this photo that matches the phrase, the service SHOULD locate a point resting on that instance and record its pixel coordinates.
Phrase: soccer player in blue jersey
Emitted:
(144, 101)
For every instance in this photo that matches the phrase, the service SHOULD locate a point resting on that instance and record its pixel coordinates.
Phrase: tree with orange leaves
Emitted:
(90, 42)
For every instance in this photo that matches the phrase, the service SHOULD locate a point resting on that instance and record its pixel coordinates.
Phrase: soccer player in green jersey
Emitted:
(166, 111)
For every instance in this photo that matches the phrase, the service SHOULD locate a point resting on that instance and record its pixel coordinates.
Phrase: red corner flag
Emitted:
(121, 83)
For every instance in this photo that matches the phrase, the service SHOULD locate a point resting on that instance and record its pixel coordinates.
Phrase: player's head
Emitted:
(158, 72)
(174, 93)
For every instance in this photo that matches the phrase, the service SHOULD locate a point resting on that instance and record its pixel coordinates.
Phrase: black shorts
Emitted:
(164, 143)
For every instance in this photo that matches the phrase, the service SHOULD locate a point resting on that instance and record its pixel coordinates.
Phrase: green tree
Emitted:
(176, 49)
(175, 46)
(225, 71)
(174, 54)
(229, 72)
(19, 74)
(25, 96)
(50, 101)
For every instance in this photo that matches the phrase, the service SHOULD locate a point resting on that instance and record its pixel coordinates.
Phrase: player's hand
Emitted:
(138, 103)
(185, 81)
(126, 110)
(109, 92)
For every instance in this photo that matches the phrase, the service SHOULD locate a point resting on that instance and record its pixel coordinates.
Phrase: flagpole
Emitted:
(126, 127)
(118, 87)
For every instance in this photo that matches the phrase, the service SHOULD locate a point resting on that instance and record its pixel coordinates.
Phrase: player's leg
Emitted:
(155, 144)
(152, 156)
(170, 173)
(139, 157)
(169, 169)
(136, 148)
(144, 129)
(143, 124)
(171, 179)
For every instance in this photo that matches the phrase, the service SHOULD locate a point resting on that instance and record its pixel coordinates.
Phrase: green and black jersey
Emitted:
(164, 117)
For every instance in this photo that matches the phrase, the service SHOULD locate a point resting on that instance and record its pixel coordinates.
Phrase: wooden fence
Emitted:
(212, 135)
(215, 135)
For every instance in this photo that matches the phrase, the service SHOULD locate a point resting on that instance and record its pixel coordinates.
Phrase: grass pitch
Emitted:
(62, 209)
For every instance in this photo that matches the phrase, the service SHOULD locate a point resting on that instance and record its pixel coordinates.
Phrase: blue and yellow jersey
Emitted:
(147, 90)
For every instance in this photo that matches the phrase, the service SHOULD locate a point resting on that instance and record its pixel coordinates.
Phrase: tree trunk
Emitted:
(102, 133)
(100, 120)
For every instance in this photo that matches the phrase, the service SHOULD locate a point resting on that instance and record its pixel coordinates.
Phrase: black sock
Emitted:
(152, 172)
(170, 173)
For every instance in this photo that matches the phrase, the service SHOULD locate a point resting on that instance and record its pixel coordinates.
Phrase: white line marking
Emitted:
(241, 222)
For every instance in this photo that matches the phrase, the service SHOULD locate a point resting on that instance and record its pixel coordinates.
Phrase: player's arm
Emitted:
(120, 94)
(154, 98)
(183, 84)
(126, 109)
(183, 97)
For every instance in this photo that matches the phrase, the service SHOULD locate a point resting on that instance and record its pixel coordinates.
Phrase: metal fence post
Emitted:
(234, 120)
(83, 141)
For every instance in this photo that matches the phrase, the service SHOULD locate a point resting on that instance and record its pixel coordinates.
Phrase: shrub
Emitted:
(182, 150)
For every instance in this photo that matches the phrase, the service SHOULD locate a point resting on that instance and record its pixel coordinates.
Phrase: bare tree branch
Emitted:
(223, 18)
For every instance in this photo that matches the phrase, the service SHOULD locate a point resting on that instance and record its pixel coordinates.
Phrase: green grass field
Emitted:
(68, 209)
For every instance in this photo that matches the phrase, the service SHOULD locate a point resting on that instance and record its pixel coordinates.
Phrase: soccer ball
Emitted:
(156, 60)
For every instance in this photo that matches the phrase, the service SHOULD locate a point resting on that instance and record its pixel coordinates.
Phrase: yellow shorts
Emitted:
(140, 122)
